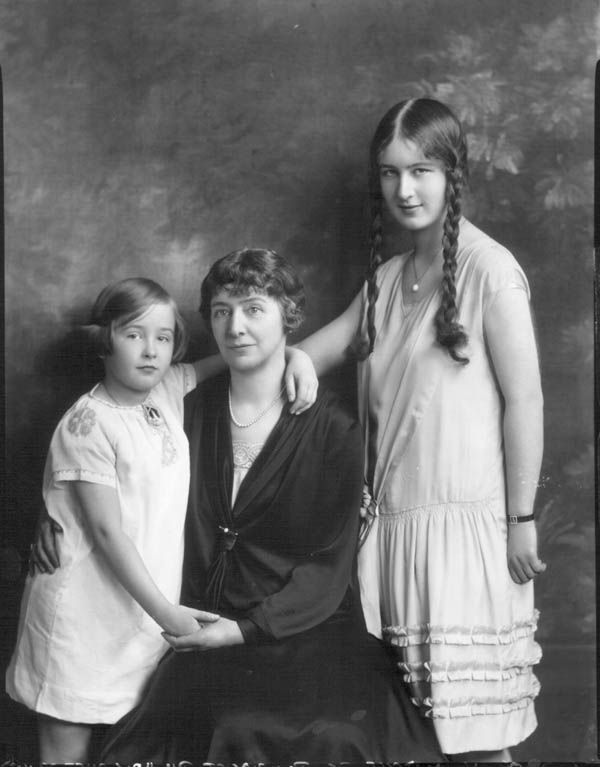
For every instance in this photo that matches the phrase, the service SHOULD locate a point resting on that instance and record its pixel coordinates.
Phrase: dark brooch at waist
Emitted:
(228, 538)
(216, 574)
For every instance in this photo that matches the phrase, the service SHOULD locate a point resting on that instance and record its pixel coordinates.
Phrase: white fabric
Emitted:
(435, 560)
(85, 648)
(244, 455)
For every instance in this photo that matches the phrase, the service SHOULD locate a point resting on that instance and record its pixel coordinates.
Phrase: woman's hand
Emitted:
(209, 636)
(523, 561)
(43, 555)
(183, 621)
(301, 382)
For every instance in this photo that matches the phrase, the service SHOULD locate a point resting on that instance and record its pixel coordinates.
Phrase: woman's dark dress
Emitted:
(310, 684)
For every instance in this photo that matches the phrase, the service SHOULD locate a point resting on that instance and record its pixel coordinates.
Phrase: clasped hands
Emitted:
(213, 631)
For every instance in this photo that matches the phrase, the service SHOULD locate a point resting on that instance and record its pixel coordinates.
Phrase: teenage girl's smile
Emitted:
(413, 186)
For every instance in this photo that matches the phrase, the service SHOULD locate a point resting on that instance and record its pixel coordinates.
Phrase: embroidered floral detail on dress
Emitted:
(82, 421)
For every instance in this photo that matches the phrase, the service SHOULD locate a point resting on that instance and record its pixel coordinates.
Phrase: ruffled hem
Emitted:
(427, 633)
(430, 671)
(456, 708)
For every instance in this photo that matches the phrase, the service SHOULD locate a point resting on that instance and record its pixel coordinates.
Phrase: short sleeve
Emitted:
(82, 448)
(502, 272)
(179, 380)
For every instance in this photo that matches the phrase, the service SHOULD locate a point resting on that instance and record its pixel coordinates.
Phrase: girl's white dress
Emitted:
(433, 569)
(85, 648)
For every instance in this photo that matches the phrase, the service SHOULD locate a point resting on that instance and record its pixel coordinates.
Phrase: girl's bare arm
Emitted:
(329, 347)
(511, 339)
(101, 513)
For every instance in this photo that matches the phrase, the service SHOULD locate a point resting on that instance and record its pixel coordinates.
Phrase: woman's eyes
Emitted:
(252, 310)
(391, 173)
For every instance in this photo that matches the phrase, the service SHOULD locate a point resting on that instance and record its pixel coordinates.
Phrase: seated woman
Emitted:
(288, 671)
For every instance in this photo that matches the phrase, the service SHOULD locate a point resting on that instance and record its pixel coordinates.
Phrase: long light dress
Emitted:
(433, 567)
(85, 648)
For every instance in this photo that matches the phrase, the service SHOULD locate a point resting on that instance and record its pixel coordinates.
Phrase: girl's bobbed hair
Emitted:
(256, 270)
(439, 135)
(125, 301)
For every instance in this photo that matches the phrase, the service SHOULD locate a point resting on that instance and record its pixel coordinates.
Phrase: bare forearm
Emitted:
(331, 346)
(523, 446)
(323, 356)
(523, 440)
(127, 566)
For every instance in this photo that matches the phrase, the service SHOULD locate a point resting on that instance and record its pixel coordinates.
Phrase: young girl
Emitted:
(116, 481)
(451, 407)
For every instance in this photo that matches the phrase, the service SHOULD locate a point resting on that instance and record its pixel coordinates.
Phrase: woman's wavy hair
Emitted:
(438, 133)
(256, 270)
(125, 301)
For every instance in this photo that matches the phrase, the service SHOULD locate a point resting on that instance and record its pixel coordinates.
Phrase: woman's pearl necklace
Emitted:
(258, 417)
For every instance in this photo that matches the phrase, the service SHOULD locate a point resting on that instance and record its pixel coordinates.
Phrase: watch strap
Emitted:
(513, 520)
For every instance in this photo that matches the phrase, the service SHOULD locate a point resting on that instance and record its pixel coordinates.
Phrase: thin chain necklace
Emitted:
(416, 284)
(151, 413)
(116, 401)
(258, 417)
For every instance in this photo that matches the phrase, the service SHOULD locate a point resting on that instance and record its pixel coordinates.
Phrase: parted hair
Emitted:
(121, 303)
(256, 270)
(438, 133)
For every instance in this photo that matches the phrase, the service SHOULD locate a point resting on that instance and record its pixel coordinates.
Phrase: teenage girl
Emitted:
(116, 482)
(451, 407)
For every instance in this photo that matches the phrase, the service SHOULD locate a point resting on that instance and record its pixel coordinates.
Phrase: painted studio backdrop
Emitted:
(150, 138)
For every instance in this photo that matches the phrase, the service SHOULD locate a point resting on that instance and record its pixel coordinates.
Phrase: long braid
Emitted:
(362, 348)
(375, 259)
(449, 332)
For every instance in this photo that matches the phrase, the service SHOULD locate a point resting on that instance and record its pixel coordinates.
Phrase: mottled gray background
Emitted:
(151, 137)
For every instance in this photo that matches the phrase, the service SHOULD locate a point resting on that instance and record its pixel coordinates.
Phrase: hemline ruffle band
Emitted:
(426, 633)
(453, 709)
(430, 671)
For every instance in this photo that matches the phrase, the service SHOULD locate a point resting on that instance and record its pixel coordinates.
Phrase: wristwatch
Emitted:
(512, 520)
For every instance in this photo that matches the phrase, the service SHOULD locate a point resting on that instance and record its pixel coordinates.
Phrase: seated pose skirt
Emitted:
(309, 683)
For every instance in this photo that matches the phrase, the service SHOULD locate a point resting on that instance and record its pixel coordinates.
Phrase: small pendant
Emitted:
(415, 287)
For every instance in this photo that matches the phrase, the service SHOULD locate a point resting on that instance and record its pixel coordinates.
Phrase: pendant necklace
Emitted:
(416, 284)
(269, 407)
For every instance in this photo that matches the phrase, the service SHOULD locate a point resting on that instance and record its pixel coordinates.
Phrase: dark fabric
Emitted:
(295, 516)
(310, 684)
